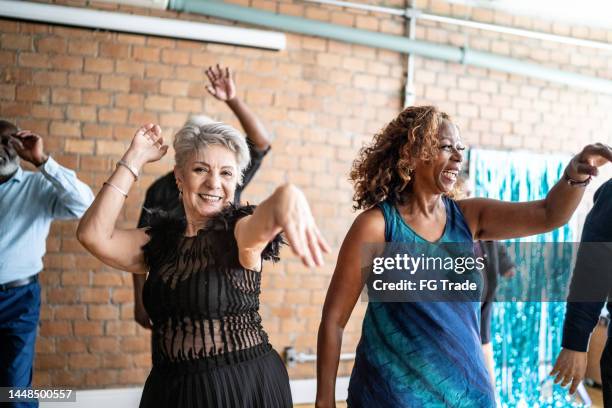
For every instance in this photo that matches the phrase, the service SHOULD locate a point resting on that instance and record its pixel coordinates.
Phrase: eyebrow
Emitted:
(206, 164)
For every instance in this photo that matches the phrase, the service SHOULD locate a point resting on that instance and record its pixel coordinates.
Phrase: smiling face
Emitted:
(208, 181)
(440, 173)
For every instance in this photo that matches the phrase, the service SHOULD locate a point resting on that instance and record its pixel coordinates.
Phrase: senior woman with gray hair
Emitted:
(202, 290)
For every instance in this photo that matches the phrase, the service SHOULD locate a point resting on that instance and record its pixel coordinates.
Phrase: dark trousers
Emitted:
(606, 373)
(19, 314)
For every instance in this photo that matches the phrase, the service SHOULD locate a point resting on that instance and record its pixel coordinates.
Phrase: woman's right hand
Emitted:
(146, 146)
(292, 214)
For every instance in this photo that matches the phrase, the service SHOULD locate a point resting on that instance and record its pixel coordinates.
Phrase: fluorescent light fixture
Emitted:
(131, 23)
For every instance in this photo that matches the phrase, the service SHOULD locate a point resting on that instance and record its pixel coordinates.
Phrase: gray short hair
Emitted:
(200, 132)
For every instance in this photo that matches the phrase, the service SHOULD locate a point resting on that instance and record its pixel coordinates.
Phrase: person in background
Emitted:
(497, 263)
(163, 193)
(29, 202)
(592, 281)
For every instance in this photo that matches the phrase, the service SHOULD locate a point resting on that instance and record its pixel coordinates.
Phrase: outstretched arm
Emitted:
(497, 220)
(223, 87)
(119, 248)
(285, 210)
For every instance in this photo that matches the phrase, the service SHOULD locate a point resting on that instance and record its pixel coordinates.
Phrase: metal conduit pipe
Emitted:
(414, 13)
(390, 42)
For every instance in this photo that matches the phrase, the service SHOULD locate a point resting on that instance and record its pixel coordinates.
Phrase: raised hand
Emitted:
(147, 145)
(222, 85)
(585, 164)
(29, 146)
(293, 215)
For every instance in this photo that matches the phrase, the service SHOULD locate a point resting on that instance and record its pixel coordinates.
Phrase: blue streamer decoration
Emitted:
(526, 335)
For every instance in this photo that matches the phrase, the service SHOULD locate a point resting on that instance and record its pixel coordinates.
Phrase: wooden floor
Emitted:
(594, 393)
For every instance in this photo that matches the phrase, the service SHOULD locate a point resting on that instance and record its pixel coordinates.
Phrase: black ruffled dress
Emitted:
(209, 347)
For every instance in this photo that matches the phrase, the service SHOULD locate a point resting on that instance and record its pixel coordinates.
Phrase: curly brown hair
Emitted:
(383, 168)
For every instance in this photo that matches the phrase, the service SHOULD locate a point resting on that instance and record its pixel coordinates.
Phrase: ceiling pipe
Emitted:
(390, 42)
(414, 13)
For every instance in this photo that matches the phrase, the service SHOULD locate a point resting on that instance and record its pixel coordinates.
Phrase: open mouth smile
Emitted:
(210, 198)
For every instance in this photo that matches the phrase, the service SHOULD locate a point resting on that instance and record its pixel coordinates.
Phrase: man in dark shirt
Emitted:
(590, 287)
(163, 194)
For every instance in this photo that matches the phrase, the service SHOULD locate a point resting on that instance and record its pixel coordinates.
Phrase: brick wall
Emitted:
(87, 91)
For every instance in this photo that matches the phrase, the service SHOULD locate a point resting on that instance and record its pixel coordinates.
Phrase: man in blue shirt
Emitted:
(590, 287)
(29, 202)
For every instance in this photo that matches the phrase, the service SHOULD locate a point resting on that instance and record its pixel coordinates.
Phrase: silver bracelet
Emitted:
(108, 183)
(128, 166)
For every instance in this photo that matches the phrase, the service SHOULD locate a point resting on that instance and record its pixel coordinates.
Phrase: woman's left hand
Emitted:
(585, 164)
(293, 215)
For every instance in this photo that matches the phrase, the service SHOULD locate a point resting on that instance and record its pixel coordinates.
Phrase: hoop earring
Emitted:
(181, 195)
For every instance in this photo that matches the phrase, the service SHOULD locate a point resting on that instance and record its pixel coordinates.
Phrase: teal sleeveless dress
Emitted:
(421, 354)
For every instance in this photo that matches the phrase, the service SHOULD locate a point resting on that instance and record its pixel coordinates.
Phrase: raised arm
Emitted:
(344, 289)
(285, 210)
(223, 87)
(496, 220)
(120, 248)
(67, 197)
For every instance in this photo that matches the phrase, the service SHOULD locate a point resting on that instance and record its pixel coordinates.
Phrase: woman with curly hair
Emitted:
(425, 354)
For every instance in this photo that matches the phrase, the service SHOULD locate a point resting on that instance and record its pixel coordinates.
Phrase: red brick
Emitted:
(95, 131)
(87, 328)
(48, 361)
(114, 50)
(83, 360)
(70, 312)
(51, 45)
(47, 112)
(7, 58)
(159, 71)
(141, 118)
(128, 100)
(16, 42)
(114, 82)
(98, 98)
(32, 93)
(123, 295)
(33, 60)
(99, 65)
(188, 105)
(175, 57)
(129, 67)
(103, 344)
(7, 92)
(81, 112)
(55, 328)
(179, 88)
(68, 63)
(79, 146)
(112, 115)
(65, 129)
(84, 81)
(82, 47)
(50, 78)
(70, 345)
(158, 103)
(148, 54)
(111, 148)
(145, 86)
(94, 295)
(102, 312)
(98, 164)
